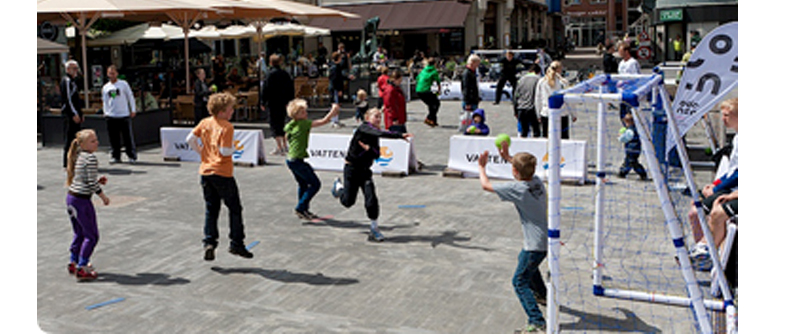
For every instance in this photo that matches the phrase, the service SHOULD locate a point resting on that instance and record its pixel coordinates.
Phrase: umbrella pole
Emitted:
(83, 28)
(186, 23)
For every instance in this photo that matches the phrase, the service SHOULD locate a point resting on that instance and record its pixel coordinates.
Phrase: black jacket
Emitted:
(336, 76)
(369, 135)
(278, 88)
(469, 87)
(71, 99)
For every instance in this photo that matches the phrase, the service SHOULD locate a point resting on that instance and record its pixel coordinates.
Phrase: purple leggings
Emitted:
(84, 226)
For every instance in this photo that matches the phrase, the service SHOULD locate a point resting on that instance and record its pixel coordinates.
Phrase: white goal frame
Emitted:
(649, 89)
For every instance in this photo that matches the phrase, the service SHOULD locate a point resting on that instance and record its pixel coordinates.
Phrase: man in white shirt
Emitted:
(628, 65)
(119, 107)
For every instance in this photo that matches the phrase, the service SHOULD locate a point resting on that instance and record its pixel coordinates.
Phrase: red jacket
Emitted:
(394, 105)
(382, 81)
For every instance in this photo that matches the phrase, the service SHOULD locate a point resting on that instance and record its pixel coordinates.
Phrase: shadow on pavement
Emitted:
(286, 276)
(448, 238)
(140, 279)
(594, 322)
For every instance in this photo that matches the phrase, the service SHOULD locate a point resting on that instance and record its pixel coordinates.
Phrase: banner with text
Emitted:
(465, 150)
(711, 73)
(327, 152)
(249, 145)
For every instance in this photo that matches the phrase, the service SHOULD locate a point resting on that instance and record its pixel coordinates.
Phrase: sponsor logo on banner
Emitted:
(239, 149)
(546, 161)
(386, 157)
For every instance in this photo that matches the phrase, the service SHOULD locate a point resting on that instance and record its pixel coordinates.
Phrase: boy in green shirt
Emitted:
(425, 80)
(297, 133)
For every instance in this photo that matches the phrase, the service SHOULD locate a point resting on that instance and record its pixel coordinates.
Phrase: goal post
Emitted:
(635, 92)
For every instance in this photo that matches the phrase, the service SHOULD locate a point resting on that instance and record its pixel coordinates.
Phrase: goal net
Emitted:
(618, 247)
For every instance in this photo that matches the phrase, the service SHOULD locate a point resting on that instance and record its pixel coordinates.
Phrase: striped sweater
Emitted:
(85, 180)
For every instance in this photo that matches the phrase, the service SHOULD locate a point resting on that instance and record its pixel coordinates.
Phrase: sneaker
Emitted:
(132, 161)
(375, 235)
(304, 215)
(241, 251)
(115, 161)
(72, 268)
(535, 329)
(700, 258)
(276, 152)
(430, 123)
(208, 252)
(338, 188)
(310, 215)
(85, 273)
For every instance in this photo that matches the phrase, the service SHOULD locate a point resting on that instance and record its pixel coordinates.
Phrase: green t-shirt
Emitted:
(297, 132)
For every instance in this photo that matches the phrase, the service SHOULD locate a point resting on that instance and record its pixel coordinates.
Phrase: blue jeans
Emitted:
(218, 189)
(528, 283)
(307, 183)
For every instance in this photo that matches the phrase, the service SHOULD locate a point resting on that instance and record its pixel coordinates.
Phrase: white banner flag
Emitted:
(711, 73)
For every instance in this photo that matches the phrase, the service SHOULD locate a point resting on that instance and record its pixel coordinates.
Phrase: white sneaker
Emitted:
(338, 188)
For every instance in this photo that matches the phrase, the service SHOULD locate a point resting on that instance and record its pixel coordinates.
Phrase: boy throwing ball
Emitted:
(530, 199)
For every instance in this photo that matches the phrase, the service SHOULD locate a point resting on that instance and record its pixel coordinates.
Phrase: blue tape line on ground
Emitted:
(572, 208)
(252, 244)
(113, 301)
(555, 234)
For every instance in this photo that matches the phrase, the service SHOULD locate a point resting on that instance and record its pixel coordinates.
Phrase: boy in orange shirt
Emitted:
(216, 174)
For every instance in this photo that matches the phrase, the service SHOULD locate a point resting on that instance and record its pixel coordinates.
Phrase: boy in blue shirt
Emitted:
(530, 199)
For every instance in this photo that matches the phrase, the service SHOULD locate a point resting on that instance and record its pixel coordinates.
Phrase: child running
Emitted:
(216, 174)
(83, 182)
(297, 133)
(362, 152)
(530, 199)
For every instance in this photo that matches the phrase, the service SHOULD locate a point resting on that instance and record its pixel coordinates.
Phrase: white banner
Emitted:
(711, 73)
(327, 152)
(249, 145)
(465, 150)
(451, 90)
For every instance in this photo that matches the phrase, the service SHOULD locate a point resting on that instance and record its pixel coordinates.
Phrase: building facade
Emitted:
(440, 27)
(591, 22)
(688, 19)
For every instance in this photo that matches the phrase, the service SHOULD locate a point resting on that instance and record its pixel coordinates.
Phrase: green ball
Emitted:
(502, 138)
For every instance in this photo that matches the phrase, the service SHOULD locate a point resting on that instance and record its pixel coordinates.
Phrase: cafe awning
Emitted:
(44, 46)
(416, 15)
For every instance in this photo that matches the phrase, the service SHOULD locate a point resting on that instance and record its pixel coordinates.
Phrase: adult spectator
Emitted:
(525, 103)
(470, 94)
(337, 74)
(551, 83)
(201, 94)
(425, 80)
(278, 91)
(610, 65)
(508, 73)
(71, 105)
(218, 66)
(628, 65)
(119, 107)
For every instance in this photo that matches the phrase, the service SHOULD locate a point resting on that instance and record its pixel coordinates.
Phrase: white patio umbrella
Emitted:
(138, 32)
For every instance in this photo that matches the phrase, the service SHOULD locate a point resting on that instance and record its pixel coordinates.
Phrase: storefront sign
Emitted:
(671, 15)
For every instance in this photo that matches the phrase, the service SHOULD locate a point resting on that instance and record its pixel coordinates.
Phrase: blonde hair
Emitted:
(553, 73)
(361, 94)
(74, 150)
(219, 102)
(525, 165)
(295, 106)
(731, 104)
(371, 111)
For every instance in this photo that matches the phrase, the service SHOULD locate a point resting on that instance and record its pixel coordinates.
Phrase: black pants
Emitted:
(527, 120)
(498, 93)
(200, 112)
(430, 99)
(217, 190)
(564, 127)
(121, 127)
(70, 130)
(355, 178)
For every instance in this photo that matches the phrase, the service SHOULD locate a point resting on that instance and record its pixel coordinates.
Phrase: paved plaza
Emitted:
(445, 267)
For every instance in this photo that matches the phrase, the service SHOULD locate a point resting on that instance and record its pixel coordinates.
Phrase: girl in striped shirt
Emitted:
(83, 182)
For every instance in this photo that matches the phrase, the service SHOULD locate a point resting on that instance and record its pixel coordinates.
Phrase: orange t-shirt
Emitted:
(215, 133)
